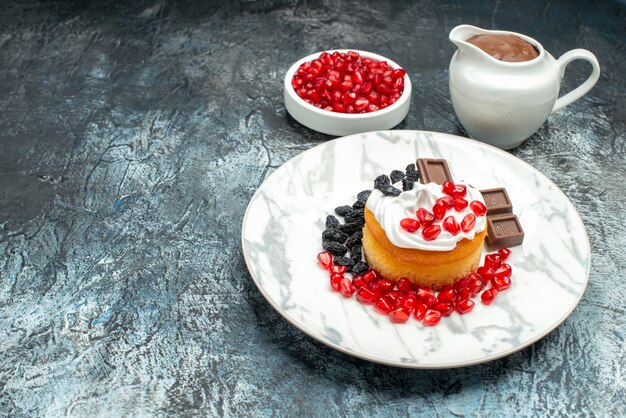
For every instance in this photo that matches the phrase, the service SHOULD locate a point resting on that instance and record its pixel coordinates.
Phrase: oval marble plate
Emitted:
(282, 231)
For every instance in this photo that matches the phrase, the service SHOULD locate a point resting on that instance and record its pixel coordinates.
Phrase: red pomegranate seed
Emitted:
(478, 208)
(404, 285)
(448, 188)
(410, 225)
(431, 318)
(464, 293)
(376, 290)
(431, 232)
(488, 295)
(398, 73)
(504, 253)
(348, 98)
(361, 104)
(459, 190)
(419, 310)
(338, 269)
(464, 306)
(425, 217)
(486, 273)
(399, 316)
(335, 281)
(358, 282)
(501, 283)
(503, 270)
(325, 260)
(367, 88)
(398, 83)
(447, 201)
(468, 222)
(439, 210)
(346, 288)
(393, 296)
(349, 109)
(448, 295)
(408, 303)
(451, 225)
(370, 276)
(464, 282)
(446, 308)
(382, 306)
(339, 107)
(460, 204)
(493, 260)
(476, 286)
(372, 108)
(385, 285)
(365, 296)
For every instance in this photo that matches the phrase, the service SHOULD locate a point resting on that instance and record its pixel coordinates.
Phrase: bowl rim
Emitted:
(406, 93)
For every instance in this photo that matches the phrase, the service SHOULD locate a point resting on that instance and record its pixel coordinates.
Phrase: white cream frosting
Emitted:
(390, 210)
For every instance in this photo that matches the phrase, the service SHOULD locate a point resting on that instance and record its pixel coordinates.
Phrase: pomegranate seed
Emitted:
(460, 204)
(404, 285)
(439, 210)
(468, 222)
(348, 98)
(365, 296)
(349, 109)
(476, 286)
(447, 201)
(419, 310)
(410, 225)
(445, 308)
(398, 83)
(385, 285)
(492, 260)
(370, 276)
(367, 88)
(504, 253)
(488, 295)
(430, 300)
(478, 208)
(459, 190)
(325, 260)
(339, 107)
(464, 282)
(399, 316)
(393, 296)
(358, 282)
(357, 77)
(448, 295)
(335, 281)
(487, 273)
(338, 269)
(503, 270)
(424, 292)
(425, 217)
(464, 306)
(408, 303)
(398, 73)
(431, 232)
(451, 225)
(372, 108)
(382, 306)
(501, 283)
(431, 318)
(376, 289)
(448, 188)
(346, 288)
(361, 104)
(464, 293)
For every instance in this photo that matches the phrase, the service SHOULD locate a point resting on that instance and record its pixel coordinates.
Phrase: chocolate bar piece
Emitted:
(433, 170)
(504, 231)
(497, 201)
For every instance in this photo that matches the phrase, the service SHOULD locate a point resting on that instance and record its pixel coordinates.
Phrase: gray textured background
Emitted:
(132, 136)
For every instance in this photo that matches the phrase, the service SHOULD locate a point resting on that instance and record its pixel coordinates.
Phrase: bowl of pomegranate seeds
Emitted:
(344, 92)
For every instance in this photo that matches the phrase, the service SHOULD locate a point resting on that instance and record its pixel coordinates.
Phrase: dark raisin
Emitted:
(391, 191)
(381, 182)
(407, 184)
(358, 205)
(357, 216)
(343, 210)
(343, 261)
(334, 248)
(355, 253)
(355, 239)
(396, 176)
(412, 173)
(334, 234)
(351, 227)
(362, 196)
(332, 222)
(360, 268)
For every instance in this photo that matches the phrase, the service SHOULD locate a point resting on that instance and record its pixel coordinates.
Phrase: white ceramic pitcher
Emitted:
(503, 103)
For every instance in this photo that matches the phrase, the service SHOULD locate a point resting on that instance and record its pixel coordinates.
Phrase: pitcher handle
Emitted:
(581, 90)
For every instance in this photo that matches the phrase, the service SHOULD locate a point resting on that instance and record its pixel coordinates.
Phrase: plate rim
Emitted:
(448, 365)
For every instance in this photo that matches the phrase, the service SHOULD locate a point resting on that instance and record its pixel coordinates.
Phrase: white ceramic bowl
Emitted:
(335, 123)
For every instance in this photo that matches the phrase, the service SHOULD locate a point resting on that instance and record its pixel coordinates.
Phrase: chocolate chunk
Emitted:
(433, 170)
(497, 201)
(504, 231)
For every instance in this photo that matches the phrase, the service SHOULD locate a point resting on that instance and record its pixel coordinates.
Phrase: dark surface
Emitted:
(132, 137)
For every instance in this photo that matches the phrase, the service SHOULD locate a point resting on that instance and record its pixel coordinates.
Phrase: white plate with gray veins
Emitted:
(281, 237)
